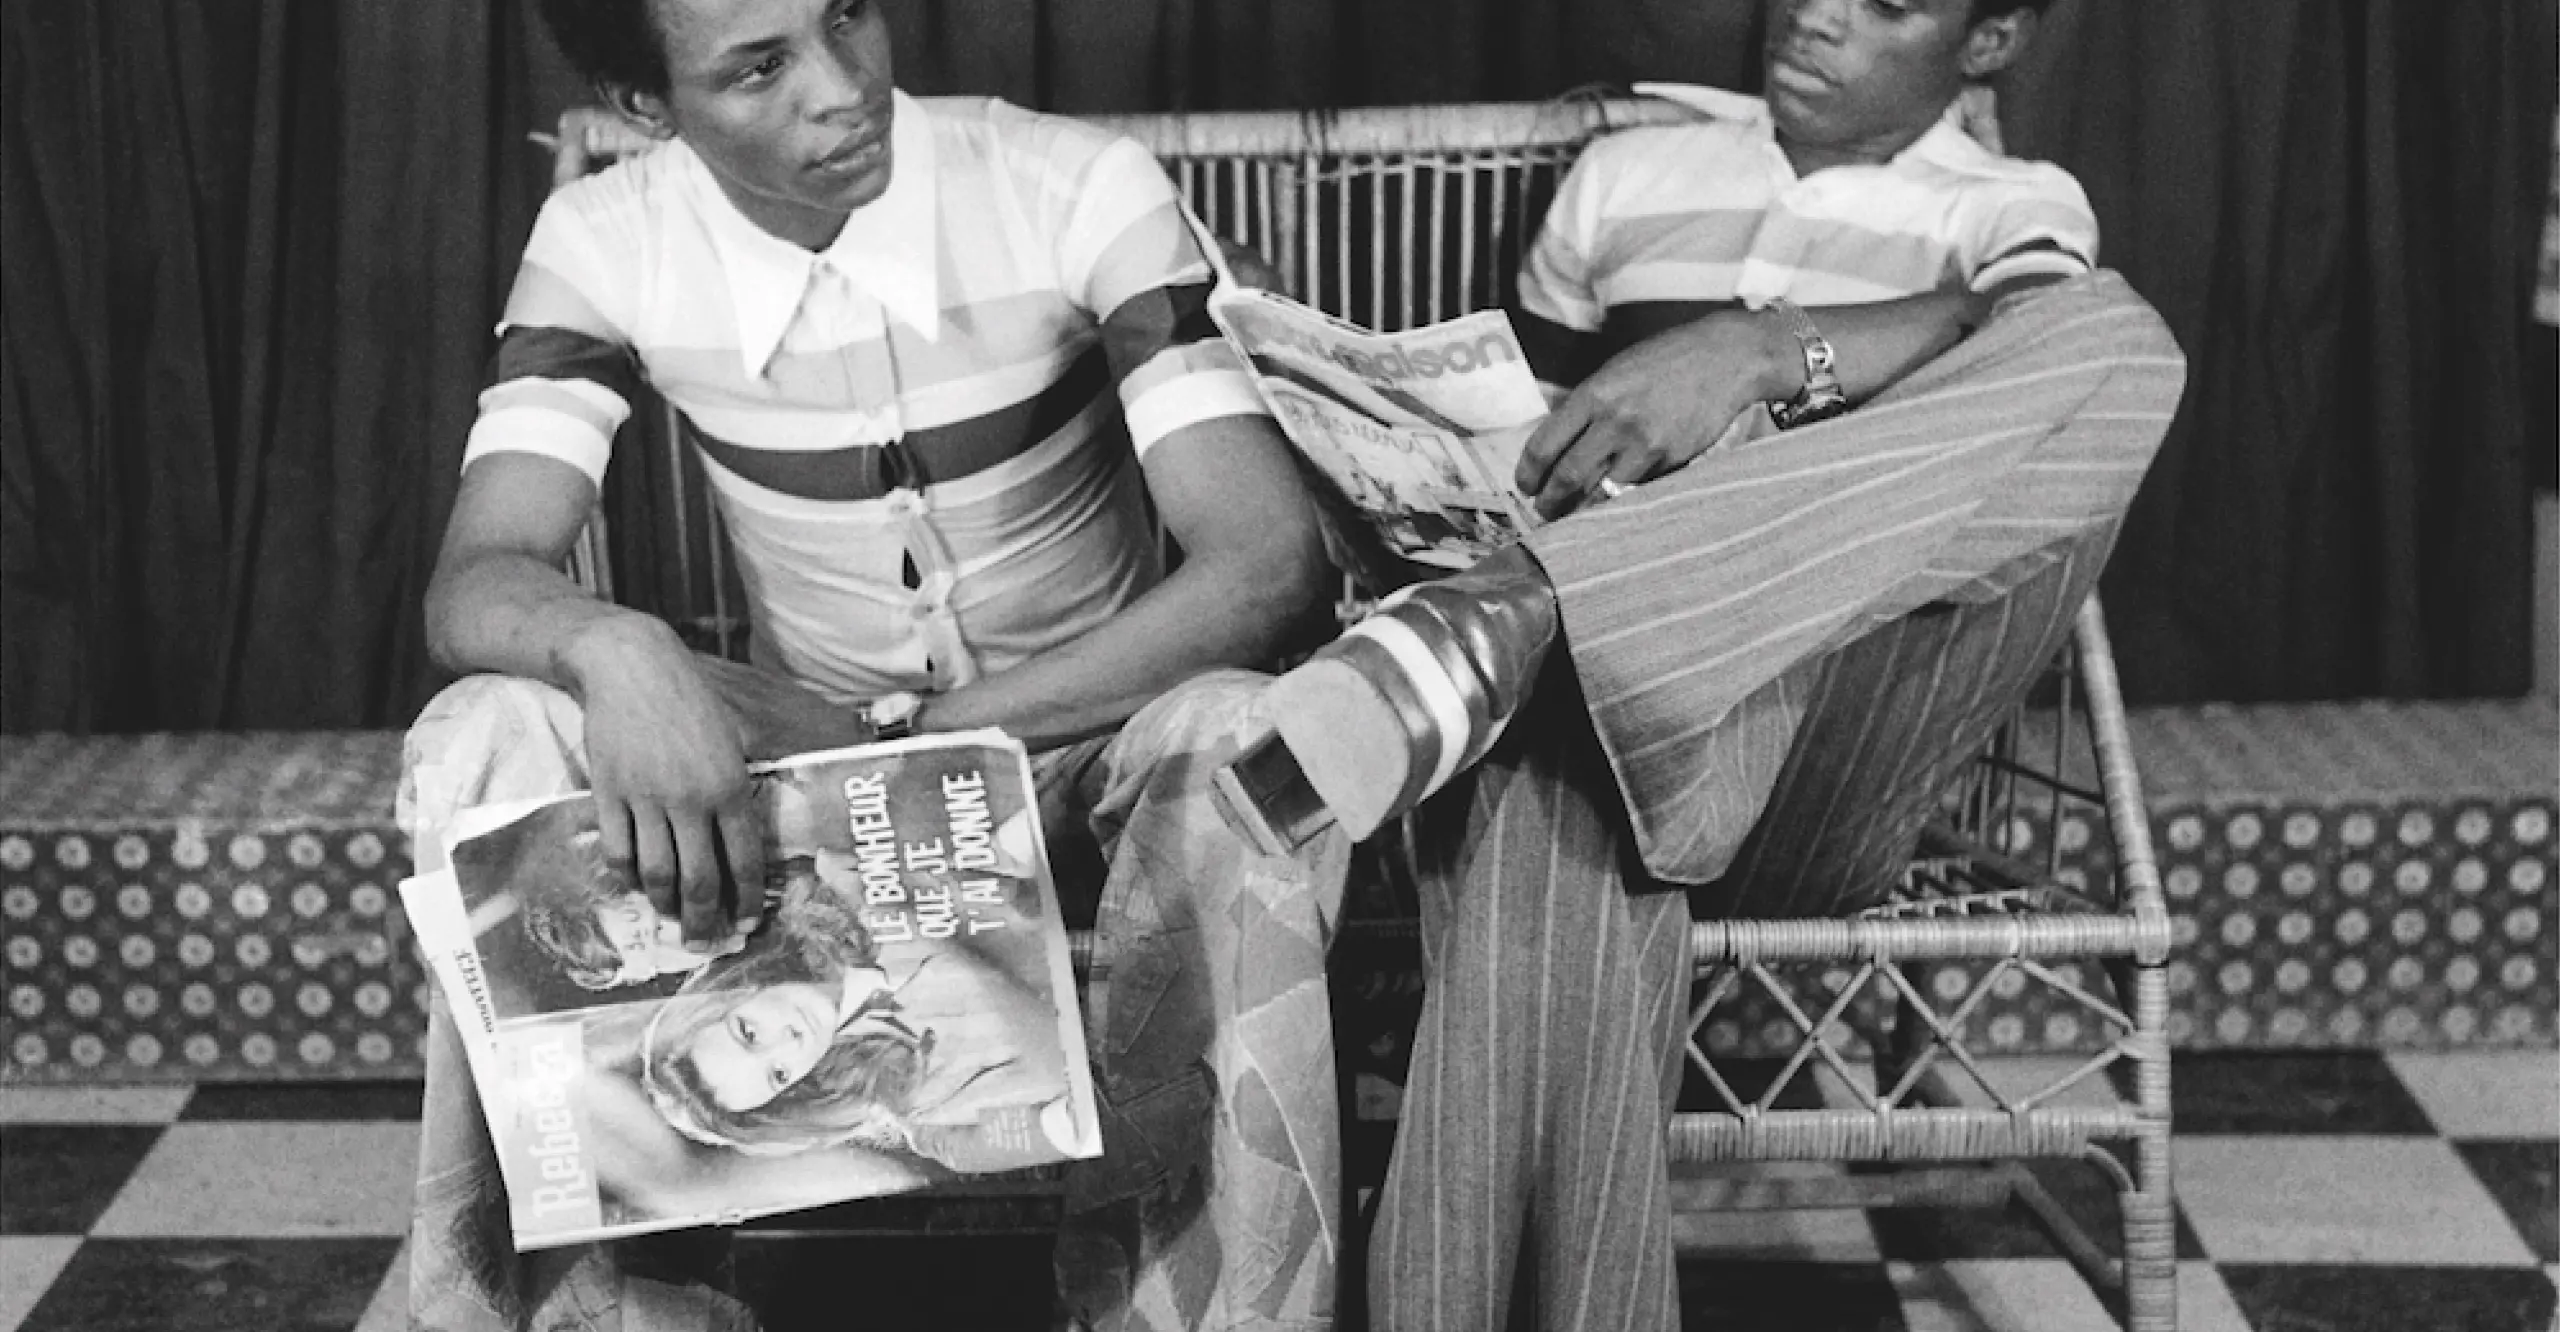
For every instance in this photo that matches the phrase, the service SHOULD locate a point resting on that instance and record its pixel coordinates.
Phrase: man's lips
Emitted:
(1797, 75)
(858, 151)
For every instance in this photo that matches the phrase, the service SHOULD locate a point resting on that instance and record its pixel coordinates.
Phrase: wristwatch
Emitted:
(1821, 398)
(893, 716)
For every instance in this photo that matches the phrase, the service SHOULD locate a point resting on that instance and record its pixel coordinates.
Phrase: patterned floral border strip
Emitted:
(235, 942)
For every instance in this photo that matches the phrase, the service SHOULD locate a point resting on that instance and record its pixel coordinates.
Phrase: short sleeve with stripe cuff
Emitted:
(1129, 251)
(564, 376)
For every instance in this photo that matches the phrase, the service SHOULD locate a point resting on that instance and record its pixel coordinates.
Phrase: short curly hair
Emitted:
(560, 916)
(609, 42)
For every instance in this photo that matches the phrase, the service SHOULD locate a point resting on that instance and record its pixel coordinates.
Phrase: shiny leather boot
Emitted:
(1382, 717)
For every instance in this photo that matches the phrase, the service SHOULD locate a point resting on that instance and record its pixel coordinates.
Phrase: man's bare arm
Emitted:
(1253, 569)
(1663, 401)
(499, 600)
(662, 750)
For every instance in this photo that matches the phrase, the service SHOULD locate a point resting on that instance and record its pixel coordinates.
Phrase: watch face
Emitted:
(1818, 407)
(893, 715)
(1818, 402)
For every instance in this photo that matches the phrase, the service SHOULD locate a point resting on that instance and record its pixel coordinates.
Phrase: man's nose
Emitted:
(841, 83)
(1816, 18)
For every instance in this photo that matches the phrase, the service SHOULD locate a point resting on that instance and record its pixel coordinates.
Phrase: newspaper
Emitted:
(905, 1015)
(1419, 431)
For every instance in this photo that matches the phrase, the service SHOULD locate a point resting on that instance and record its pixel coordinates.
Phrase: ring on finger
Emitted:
(1609, 488)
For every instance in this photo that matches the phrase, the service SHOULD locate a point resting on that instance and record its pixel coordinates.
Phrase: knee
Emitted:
(484, 696)
(486, 738)
(481, 714)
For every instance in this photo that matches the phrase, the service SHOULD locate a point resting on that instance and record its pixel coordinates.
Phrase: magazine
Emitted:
(1419, 431)
(905, 1014)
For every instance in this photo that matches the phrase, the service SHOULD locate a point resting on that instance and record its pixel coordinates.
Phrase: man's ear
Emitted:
(1996, 43)
(646, 112)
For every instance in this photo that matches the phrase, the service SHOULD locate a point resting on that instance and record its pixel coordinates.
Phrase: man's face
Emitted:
(630, 924)
(787, 101)
(649, 944)
(1862, 77)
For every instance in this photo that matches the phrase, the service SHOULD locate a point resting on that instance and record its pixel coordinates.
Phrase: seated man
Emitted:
(895, 329)
(1695, 590)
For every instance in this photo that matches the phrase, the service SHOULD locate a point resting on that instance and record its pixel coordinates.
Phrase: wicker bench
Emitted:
(1395, 217)
(1389, 217)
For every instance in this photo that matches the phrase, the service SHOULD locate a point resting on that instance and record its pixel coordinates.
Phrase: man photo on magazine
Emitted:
(560, 926)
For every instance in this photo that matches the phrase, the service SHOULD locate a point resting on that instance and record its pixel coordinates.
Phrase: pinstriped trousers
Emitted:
(1531, 1151)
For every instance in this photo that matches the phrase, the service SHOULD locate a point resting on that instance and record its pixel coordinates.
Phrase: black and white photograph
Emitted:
(1325, 666)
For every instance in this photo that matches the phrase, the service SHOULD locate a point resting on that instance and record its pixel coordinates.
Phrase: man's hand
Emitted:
(1249, 267)
(777, 715)
(1655, 406)
(670, 778)
(1666, 399)
(591, 138)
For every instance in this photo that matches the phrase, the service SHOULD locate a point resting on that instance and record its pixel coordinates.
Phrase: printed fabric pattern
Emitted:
(1216, 1203)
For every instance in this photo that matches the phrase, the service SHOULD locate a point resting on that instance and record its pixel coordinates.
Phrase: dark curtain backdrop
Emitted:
(2336, 205)
(253, 251)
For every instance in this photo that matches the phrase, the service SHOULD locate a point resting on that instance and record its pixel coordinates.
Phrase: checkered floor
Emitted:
(2338, 1192)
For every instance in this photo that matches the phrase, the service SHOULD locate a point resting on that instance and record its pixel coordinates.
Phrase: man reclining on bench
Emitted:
(1843, 243)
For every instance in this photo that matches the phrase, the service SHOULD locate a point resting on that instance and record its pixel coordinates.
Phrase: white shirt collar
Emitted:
(1954, 141)
(1714, 103)
(1955, 138)
(889, 248)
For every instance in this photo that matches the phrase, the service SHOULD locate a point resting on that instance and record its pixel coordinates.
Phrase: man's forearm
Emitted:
(1876, 345)
(1693, 372)
(1231, 608)
(511, 613)
(1253, 567)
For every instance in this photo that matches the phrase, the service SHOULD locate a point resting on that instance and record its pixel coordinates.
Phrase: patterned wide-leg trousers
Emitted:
(1530, 1155)
(1217, 1202)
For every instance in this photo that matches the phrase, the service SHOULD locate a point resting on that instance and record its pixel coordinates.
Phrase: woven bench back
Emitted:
(1387, 216)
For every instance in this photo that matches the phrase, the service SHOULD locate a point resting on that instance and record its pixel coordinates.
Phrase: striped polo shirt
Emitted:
(913, 435)
(1655, 221)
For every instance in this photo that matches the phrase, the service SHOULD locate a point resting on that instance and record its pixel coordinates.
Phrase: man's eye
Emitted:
(757, 74)
(744, 1030)
(849, 14)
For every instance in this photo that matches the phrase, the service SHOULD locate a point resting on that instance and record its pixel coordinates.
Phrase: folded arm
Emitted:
(1645, 385)
(663, 751)
(1693, 368)
(1217, 468)
(1253, 569)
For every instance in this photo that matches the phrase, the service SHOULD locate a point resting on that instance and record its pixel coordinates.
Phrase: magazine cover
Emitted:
(905, 1014)
(1419, 430)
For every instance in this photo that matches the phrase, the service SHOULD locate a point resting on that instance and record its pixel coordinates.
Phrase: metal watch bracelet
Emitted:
(1822, 396)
